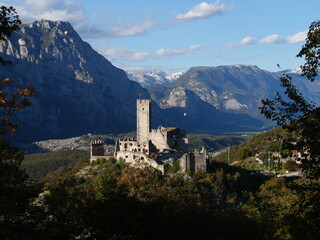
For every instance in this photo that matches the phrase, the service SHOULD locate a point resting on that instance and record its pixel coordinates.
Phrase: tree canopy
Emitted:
(14, 192)
(294, 113)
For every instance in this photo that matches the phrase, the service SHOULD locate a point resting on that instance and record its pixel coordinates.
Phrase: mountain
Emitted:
(77, 90)
(309, 90)
(230, 89)
(153, 77)
(195, 115)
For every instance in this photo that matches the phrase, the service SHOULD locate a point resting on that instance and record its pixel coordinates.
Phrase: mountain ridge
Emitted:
(78, 91)
(231, 88)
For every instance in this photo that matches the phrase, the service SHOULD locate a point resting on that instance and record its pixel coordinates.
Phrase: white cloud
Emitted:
(126, 54)
(130, 29)
(140, 55)
(244, 42)
(172, 52)
(53, 10)
(44, 4)
(274, 38)
(298, 37)
(202, 10)
(70, 11)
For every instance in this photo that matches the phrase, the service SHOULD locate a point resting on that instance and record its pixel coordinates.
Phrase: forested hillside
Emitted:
(113, 201)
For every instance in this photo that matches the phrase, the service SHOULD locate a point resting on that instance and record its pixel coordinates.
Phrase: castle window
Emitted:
(142, 109)
(130, 144)
(125, 145)
(142, 158)
(134, 156)
(139, 149)
(126, 156)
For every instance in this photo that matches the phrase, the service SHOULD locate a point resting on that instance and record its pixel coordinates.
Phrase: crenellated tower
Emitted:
(143, 120)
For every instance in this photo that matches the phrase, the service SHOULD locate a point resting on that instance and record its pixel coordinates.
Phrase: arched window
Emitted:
(125, 145)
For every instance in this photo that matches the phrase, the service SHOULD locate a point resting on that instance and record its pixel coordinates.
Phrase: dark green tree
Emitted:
(294, 112)
(14, 192)
(9, 22)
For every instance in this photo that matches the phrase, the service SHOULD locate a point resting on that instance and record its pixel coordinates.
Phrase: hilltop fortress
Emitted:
(154, 147)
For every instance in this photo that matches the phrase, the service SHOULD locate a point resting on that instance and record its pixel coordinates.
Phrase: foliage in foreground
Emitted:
(113, 201)
(294, 113)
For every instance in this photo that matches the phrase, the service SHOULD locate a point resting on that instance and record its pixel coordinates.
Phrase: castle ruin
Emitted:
(154, 147)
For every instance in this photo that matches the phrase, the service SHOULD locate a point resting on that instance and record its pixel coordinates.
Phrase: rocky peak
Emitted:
(77, 90)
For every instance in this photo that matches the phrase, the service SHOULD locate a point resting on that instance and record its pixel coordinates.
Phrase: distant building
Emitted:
(154, 147)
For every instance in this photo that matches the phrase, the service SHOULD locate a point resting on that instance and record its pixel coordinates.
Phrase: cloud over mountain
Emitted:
(132, 55)
(70, 11)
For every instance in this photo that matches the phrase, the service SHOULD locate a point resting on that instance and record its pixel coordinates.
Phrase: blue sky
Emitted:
(174, 35)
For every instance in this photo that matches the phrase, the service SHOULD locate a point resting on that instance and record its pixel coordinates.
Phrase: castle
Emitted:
(154, 147)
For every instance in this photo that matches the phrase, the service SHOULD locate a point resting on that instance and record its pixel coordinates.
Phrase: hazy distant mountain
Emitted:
(153, 77)
(232, 89)
(310, 90)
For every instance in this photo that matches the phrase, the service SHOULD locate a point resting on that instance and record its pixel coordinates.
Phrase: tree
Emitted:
(14, 192)
(294, 113)
(9, 22)
(10, 100)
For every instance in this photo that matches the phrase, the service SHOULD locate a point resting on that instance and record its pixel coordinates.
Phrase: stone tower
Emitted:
(96, 150)
(143, 120)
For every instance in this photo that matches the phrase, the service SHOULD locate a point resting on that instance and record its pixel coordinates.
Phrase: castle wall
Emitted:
(201, 160)
(185, 163)
(133, 146)
(139, 160)
(159, 139)
(96, 150)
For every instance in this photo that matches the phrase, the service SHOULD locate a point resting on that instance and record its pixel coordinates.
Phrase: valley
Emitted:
(78, 91)
(125, 124)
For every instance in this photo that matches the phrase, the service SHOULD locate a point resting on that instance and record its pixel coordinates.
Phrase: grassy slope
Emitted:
(39, 165)
(213, 143)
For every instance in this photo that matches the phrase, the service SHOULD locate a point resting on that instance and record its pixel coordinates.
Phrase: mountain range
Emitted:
(232, 89)
(153, 77)
(78, 91)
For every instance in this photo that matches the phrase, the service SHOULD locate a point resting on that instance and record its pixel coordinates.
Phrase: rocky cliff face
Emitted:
(231, 89)
(77, 90)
